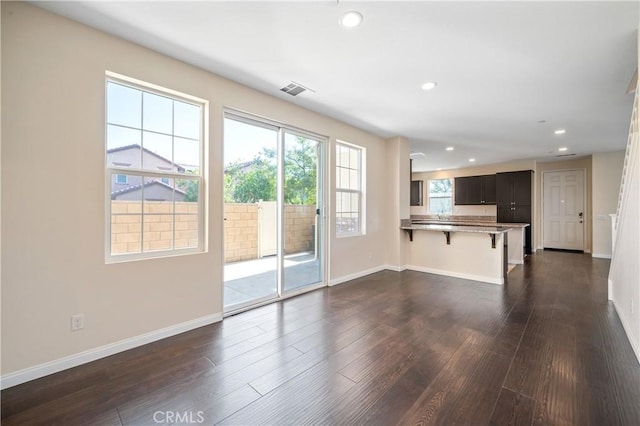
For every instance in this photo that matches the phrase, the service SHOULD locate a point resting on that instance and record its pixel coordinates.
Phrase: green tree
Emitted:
(300, 172)
(249, 183)
(190, 187)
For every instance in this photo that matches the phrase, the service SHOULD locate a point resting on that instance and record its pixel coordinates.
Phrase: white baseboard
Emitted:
(627, 330)
(609, 289)
(601, 255)
(490, 280)
(355, 275)
(395, 268)
(516, 261)
(41, 370)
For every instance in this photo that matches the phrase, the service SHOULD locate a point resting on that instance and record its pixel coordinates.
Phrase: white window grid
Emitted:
(172, 175)
(345, 229)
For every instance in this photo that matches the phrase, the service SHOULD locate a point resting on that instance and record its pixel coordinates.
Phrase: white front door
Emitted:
(563, 210)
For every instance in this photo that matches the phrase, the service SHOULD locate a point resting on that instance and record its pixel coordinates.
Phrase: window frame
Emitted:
(117, 169)
(361, 192)
(429, 197)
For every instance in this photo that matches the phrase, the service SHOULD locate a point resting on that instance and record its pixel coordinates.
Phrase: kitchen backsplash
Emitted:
(453, 218)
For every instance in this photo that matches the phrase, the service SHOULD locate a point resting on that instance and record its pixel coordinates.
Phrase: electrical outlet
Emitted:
(77, 322)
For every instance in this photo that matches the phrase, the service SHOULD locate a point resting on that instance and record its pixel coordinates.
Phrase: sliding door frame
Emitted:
(321, 181)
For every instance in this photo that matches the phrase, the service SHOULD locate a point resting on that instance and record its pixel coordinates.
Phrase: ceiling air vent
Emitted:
(565, 155)
(294, 89)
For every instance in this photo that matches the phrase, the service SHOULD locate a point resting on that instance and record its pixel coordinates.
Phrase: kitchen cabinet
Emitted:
(475, 190)
(514, 200)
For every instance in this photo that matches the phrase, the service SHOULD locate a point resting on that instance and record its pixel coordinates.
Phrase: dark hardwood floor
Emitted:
(390, 348)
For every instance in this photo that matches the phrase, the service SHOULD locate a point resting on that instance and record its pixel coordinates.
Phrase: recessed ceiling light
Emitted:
(560, 132)
(449, 148)
(471, 160)
(439, 168)
(429, 85)
(563, 148)
(351, 19)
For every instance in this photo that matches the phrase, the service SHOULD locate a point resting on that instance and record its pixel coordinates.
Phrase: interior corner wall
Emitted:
(607, 172)
(624, 273)
(398, 190)
(53, 193)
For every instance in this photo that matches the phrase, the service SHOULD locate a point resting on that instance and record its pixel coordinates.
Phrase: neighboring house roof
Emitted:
(136, 146)
(115, 194)
(241, 166)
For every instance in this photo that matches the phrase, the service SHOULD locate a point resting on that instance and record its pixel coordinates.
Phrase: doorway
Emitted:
(563, 209)
(273, 230)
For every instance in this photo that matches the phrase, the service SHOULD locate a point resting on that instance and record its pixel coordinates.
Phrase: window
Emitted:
(349, 189)
(440, 200)
(154, 163)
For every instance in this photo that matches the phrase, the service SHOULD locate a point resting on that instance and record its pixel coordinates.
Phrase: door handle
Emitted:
(580, 214)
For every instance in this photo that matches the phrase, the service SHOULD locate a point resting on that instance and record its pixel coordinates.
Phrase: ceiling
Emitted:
(501, 67)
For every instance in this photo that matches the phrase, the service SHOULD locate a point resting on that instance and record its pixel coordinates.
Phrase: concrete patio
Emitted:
(250, 280)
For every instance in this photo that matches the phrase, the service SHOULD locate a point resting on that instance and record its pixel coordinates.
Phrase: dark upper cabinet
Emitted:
(513, 194)
(460, 190)
(475, 190)
(488, 183)
(514, 188)
(416, 193)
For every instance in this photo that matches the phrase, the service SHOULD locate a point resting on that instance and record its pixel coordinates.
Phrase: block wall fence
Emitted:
(240, 228)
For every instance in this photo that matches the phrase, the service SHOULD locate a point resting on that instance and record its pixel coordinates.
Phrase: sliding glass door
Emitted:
(272, 202)
(250, 213)
(302, 196)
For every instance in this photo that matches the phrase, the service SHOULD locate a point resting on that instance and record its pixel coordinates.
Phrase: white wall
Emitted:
(607, 171)
(398, 200)
(624, 274)
(53, 72)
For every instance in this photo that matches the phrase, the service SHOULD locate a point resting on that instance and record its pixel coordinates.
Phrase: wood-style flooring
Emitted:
(390, 348)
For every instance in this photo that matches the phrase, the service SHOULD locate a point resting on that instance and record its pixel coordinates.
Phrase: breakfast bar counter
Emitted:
(473, 252)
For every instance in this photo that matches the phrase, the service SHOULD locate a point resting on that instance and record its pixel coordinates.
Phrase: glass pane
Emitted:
(186, 208)
(186, 120)
(118, 137)
(354, 182)
(157, 232)
(157, 153)
(342, 159)
(187, 154)
(346, 202)
(344, 178)
(157, 113)
(355, 203)
(124, 105)
(354, 159)
(187, 190)
(126, 215)
(250, 225)
(301, 255)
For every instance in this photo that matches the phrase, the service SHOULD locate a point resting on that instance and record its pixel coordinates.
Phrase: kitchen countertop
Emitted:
(457, 228)
(468, 223)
